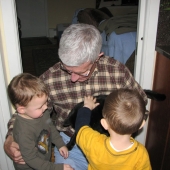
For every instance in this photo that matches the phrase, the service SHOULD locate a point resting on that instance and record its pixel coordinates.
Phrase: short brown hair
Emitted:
(124, 111)
(24, 87)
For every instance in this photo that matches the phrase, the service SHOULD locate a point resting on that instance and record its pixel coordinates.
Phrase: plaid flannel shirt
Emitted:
(108, 75)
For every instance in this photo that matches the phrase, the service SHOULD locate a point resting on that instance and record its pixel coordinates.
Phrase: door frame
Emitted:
(10, 65)
(145, 52)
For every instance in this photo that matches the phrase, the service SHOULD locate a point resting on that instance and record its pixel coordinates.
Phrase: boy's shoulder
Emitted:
(141, 148)
(22, 125)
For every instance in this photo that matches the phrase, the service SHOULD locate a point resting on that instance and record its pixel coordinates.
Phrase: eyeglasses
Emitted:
(87, 73)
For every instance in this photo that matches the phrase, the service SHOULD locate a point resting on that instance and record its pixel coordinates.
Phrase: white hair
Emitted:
(79, 43)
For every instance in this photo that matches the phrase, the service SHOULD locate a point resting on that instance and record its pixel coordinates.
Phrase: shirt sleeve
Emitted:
(131, 83)
(144, 162)
(11, 124)
(87, 138)
(83, 118)
(55, 136)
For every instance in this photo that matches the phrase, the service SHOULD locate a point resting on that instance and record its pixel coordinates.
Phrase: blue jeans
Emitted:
(76, 158)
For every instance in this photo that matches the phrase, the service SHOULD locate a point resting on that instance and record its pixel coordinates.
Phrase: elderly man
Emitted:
(83, 70)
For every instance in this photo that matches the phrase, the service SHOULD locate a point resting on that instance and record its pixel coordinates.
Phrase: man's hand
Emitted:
(90, 102)
(67, 167)
(12, 150)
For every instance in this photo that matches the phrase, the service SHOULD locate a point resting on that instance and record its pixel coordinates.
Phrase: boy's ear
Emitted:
(143, 123)
(104, 123)
(20, 109)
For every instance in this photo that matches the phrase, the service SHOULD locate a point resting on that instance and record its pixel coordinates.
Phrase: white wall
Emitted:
(33, 16)
(41, 17)
(10, 65)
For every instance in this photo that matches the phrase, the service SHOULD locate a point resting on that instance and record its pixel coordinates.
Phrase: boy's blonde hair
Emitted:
(124, 111)
(24, 87)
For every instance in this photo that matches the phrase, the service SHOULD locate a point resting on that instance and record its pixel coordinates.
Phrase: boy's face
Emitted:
(35, 107)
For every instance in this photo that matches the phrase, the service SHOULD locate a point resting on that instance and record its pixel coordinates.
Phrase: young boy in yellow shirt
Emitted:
(123, 114)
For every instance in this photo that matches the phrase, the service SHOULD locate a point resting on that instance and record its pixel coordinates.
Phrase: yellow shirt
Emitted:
(102, 156)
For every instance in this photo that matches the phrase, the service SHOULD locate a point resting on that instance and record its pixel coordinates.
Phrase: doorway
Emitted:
(144, 61)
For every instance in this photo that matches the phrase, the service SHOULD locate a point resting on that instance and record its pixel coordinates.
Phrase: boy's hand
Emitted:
(90, 102)
(64, 152)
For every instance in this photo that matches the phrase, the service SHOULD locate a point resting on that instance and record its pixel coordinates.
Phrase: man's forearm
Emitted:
(10, 125)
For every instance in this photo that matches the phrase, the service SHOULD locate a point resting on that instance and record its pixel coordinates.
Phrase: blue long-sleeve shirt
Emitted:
(83, 118)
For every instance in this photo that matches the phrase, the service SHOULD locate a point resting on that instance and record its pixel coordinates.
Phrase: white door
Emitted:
(33, 16)
(146, 40)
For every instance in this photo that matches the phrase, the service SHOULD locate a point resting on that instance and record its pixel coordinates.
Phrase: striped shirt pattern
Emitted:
(108, 75)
